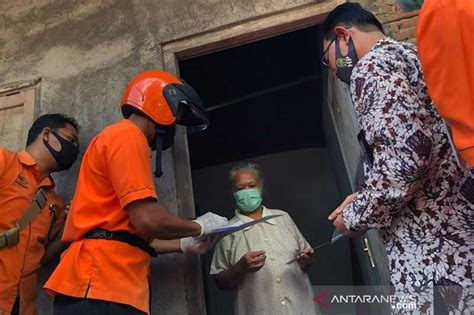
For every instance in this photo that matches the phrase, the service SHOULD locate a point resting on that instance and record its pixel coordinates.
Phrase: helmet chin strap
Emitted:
(159, 152)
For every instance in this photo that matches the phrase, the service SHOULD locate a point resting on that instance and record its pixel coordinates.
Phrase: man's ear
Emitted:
(342, 34)
(46, 133)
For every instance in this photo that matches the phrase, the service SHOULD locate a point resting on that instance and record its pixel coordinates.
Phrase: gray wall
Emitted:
(85, 52)
(303, 183)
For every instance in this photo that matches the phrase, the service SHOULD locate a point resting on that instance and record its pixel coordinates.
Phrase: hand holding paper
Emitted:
(305, 258)
(198, 245)
(335, 237)
(213, 228)
(252, 261)
(229, 229)
(209, 222)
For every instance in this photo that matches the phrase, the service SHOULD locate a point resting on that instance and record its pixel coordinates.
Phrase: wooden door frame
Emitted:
(232, 35)
(21, 94)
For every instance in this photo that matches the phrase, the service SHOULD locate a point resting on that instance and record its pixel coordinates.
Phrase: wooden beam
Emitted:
(244, 32)
(265, 91)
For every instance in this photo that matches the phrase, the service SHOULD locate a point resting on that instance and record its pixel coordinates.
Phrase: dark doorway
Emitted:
(265, 104)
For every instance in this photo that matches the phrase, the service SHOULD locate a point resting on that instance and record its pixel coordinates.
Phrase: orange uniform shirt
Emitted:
(19, 181)
(115, 171)
(446, 50)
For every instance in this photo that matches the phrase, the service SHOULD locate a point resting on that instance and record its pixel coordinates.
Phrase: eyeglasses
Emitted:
(324, 57)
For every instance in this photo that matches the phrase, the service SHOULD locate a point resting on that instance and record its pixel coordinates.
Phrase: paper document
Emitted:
(232, 228)
(336, 235)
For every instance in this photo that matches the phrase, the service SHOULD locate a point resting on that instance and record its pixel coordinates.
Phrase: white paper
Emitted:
(232, 228)
(336, 235)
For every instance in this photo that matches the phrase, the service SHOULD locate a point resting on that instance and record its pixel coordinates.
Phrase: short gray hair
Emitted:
(246, 166)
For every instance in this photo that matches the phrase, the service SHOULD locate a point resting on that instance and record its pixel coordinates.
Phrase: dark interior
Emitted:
(269, 87)
(265, 106)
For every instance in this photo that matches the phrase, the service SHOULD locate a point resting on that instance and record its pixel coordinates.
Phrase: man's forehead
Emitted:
(247, 175)
(69, 129)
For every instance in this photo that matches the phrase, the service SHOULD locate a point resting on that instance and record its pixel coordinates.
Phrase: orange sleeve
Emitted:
(129, 167)
(3, 161)
(446, 51)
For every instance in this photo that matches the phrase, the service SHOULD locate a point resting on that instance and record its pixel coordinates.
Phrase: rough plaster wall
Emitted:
(85, 52)
(211, 14)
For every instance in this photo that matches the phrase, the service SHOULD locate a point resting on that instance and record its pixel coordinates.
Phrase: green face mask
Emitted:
(248, 200)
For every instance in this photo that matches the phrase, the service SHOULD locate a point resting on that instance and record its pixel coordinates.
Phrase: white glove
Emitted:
(209, 222)
(198, 246)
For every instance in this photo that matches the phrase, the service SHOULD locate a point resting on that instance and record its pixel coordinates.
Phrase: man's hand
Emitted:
(341, 207)
(336, 217)
(198, 246)
(305, 258)
(231, 278)
(209, 222)
(252, 261)
(341, 227)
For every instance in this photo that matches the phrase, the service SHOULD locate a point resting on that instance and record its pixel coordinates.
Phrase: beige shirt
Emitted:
(277, 288)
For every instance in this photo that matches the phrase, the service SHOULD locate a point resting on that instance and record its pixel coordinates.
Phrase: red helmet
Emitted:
(165, 99)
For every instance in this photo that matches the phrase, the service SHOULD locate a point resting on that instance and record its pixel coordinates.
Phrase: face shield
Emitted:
(189, 112)
(187, 107)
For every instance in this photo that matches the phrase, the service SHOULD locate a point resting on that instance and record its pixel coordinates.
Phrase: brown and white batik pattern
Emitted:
(413, 192)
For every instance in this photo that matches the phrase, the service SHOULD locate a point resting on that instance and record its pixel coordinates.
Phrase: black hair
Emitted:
(128, 110)
(350, 14)
(53, 121)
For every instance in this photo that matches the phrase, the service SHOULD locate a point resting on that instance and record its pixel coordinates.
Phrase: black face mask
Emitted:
(68, 154)
(345, 64)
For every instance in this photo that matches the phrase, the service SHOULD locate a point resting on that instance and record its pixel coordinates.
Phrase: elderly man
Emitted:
(414, 192)
(253, 261)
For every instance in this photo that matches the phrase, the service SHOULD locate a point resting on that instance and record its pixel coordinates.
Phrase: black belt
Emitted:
(122, 236)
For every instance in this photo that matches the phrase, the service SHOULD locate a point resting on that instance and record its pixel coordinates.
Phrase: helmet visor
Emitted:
(187, 107)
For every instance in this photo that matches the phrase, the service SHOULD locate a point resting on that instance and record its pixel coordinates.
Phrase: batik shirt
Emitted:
(414, 192)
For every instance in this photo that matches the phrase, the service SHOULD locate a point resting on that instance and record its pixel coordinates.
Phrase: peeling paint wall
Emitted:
(85, 52)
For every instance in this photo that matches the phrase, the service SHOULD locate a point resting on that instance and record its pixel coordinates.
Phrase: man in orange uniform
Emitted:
(52, 145)
(115, 209)
(446, 52)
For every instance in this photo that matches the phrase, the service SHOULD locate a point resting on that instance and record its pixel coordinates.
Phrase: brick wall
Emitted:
(397, 24)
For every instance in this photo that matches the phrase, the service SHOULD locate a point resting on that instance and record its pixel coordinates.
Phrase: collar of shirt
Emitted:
(245, 219)
(26, 159)
(383, 41)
